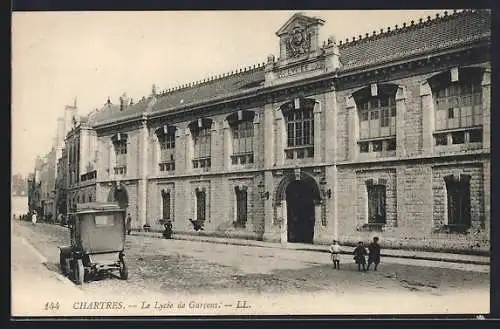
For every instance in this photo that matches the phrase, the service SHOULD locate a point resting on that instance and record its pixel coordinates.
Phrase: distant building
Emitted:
(81, 169)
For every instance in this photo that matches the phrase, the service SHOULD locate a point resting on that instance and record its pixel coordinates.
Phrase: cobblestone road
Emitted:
(188, 267)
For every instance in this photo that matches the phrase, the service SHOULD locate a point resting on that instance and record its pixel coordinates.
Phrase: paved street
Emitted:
(286, 281)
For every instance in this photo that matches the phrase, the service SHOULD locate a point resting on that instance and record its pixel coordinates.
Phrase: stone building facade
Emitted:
(386, 134)
(79, 157)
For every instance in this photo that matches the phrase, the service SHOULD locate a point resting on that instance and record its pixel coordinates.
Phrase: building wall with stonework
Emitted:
(308, 113)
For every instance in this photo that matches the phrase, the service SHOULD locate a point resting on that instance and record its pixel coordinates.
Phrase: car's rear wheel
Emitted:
(123, 270)
(62, 262)
(79, 271)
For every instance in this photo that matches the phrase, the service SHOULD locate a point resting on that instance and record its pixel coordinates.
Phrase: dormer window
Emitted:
(166, 139)
(201, 133)
(299, 120)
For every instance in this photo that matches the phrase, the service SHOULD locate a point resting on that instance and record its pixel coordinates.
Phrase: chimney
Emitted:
(124, 101)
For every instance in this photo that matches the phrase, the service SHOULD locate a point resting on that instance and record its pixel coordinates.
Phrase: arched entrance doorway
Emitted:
(298, 197)
(300, 211)
(119, 194)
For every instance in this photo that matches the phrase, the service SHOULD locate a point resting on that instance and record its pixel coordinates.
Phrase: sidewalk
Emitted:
(408, 254)
(33, 284)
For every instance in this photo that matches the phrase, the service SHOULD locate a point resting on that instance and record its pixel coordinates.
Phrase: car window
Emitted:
(104, 220)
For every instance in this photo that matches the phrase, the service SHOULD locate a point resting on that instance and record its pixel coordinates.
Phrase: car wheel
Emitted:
(62, 263)
(123, 270)
(79, 271)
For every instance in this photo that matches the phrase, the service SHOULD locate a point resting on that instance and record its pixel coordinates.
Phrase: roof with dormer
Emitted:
(416, 38)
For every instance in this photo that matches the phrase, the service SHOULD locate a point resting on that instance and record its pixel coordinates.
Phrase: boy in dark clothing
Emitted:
(359, 256)
(373, 254)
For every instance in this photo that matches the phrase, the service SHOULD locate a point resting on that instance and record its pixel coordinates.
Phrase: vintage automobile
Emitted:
(97, 242)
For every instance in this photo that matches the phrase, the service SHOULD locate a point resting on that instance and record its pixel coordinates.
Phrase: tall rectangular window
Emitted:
(165, 196)
(202, 145)
(458, 105)
(121, 157)
(167, 152)
(241, 206)
(376, 204)
(377, 117)
(300, 129)
(242, 142)
(201, 205)
(458, 200)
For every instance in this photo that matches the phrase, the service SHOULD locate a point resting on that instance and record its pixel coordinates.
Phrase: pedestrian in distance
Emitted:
(129, 224)
(33, 218)
(373, 254)
(359, 256)
(335, 254)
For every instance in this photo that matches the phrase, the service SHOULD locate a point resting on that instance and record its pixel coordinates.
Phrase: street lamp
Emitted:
(325, 192)
(264, 195)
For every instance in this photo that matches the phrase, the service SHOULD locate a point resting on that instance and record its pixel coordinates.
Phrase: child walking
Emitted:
(335, 254)
(359, 256)
(374, 254)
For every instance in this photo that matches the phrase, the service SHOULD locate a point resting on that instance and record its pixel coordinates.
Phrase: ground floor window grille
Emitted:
(165, 196)
(458, 200)
(376, 204)
(201, 204)
(241, 206)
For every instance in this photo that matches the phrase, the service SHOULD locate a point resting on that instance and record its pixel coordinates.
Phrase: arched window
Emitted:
(377, 118)
(166, 138)
(165, 197)
(200, 130)
(120, 145)
(201, 204)
(457, 96)
(241, 124)
(299, 118)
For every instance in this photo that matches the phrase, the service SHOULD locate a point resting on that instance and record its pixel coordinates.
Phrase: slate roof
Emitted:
(112, 112)
(411, 39)
(244, 80)
(420, 37)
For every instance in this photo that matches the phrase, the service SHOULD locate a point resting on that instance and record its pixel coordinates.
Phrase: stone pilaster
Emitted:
(215, 150)
(330, 114)
(427, 120)
(187, 149)
(268, 206)
(353, 131)
(143, 182)
(486, 84)
(226, 144)
(279, 146)
(400, 122)
(318, 143)
(268, 136)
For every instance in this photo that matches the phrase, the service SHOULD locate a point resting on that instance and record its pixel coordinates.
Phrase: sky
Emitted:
(57, 56)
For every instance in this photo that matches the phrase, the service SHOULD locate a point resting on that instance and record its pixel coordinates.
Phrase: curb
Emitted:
(43, 260)
(270, 245)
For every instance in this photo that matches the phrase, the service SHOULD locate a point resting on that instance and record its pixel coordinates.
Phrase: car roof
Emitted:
(93, 207)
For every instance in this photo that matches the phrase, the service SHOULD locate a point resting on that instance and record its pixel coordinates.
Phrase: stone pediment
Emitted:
(298, 19)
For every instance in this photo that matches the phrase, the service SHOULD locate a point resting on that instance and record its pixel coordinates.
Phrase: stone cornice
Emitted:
(327, 80)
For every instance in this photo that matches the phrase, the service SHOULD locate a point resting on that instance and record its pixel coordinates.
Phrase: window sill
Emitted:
(241, 225)
(376, 155)
(371, 227)
(452, 229)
